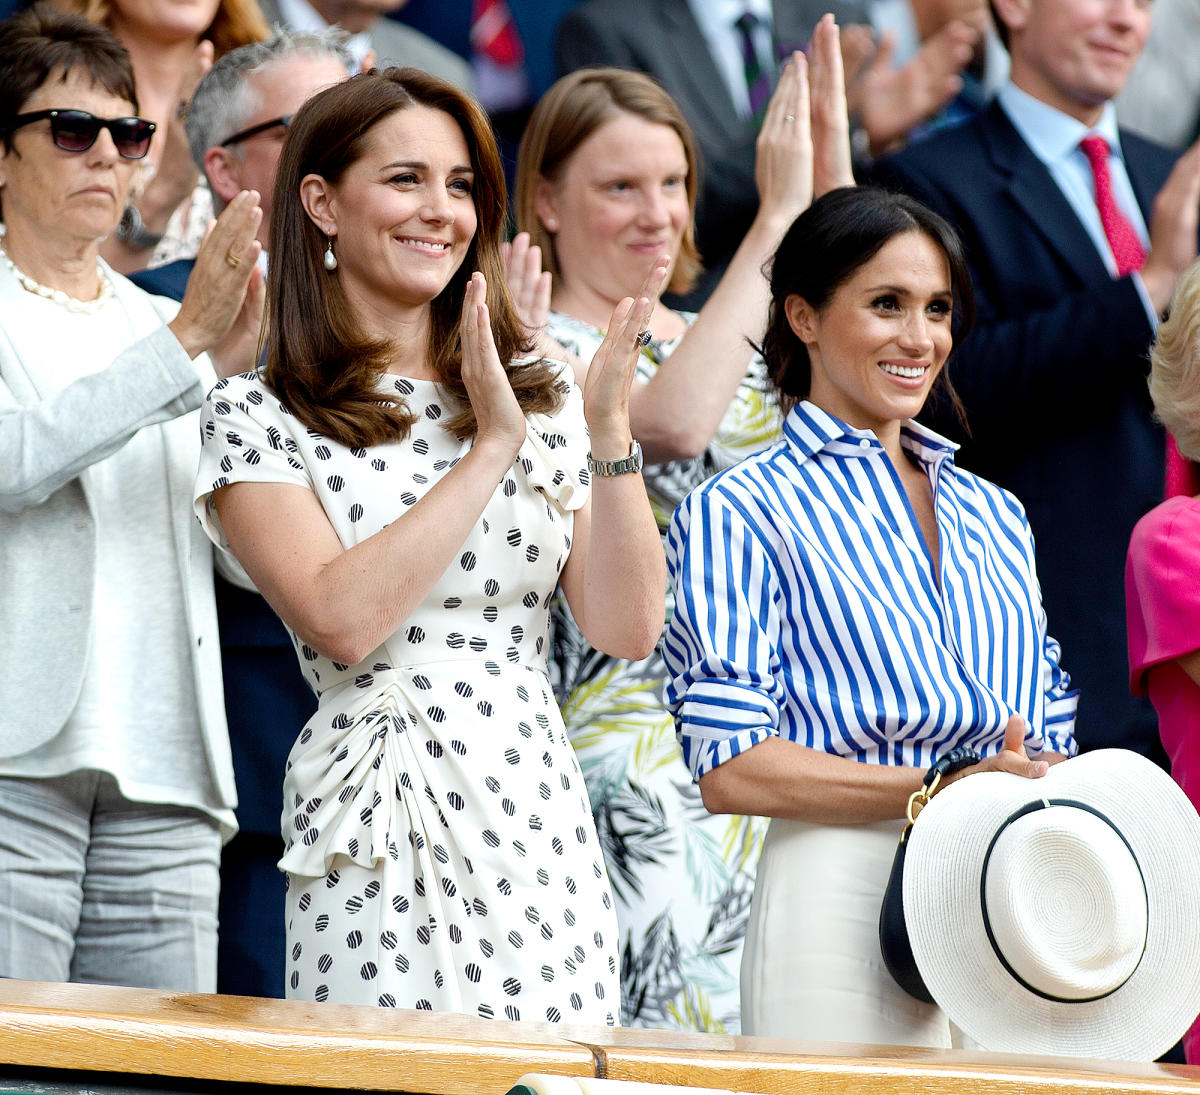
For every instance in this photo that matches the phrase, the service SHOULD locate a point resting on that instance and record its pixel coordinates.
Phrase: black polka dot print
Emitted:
(440, 845)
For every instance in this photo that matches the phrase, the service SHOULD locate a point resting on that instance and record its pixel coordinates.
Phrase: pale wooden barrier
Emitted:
(784, 1067)
(159, 1035)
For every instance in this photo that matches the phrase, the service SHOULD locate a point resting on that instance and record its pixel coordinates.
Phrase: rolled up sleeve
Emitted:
(721, 647)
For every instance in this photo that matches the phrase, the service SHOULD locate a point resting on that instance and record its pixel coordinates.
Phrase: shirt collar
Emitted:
(1051, 134)
(809, 430)
(717, 17)
(300, 15)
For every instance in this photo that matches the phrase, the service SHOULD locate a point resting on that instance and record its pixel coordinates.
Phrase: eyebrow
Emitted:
(421, 165)
(901, 291)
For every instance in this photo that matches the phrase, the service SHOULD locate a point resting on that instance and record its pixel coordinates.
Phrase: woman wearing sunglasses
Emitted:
(115, 781)
(171, 45)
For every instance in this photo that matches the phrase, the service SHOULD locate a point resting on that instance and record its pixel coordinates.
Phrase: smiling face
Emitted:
(619, 203)
(882, 339)
(403, 215)
(49, 194)
(1075, 55)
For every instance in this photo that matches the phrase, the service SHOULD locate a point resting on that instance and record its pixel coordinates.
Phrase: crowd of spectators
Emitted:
(827, 313)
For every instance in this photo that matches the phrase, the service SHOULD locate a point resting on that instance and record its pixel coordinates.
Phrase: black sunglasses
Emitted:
(77, 130)
(255, 130)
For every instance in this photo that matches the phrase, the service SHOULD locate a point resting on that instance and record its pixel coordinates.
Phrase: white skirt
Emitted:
(812, 967)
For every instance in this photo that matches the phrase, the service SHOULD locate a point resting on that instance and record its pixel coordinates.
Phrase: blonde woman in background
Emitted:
(606, 190)
(172, 45)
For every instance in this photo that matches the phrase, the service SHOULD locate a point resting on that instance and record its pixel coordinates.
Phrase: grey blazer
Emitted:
(47, 530)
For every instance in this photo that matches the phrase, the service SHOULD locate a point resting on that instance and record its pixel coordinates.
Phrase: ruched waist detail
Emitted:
(393, 752)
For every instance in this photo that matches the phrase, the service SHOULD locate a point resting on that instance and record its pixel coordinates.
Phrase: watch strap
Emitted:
(606, 469)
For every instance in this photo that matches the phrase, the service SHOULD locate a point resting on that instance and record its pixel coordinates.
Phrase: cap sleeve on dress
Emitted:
(245, 437)
(1162, 591)
(554, 453)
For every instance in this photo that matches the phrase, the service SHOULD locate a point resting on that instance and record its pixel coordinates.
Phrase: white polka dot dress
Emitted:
(440, 846)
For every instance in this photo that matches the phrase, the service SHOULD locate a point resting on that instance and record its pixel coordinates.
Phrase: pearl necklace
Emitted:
(70, 303)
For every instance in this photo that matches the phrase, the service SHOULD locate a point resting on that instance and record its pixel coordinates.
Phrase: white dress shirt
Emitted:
(717, 20)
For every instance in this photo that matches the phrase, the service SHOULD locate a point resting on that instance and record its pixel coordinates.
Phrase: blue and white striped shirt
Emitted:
(806, 606)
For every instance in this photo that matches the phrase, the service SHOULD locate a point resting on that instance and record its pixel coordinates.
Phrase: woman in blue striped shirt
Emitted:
(851, 605)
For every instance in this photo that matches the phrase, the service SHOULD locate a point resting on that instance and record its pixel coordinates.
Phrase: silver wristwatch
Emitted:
(606, 468)
(132, 230)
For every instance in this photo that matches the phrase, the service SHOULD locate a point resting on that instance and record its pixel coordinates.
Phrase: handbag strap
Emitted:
(961, 756)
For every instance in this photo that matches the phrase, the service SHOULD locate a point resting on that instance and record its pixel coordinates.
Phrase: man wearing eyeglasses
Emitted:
(235, 127)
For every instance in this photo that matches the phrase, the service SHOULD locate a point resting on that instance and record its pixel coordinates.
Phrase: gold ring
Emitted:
(232, 259)
(643, 338)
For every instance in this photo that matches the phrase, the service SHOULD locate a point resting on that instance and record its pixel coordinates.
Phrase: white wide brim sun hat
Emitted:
(1060, 915)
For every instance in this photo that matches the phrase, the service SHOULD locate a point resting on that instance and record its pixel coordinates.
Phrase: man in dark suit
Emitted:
(1074, 250)
(235, 128)
(692, 48)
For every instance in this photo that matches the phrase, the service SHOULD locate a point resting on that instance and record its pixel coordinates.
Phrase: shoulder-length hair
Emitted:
(826, 245)
(44, 41)
(237, 22)
(1175, 365)
(320, 362)
(566, 116)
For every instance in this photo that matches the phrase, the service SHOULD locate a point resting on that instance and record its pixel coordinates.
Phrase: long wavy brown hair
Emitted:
(237, 22)
(322, 365)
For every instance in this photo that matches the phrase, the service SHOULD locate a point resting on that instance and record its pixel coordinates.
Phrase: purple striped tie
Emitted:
(758, 79)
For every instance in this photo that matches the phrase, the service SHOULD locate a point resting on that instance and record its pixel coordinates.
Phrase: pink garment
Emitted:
(1162, 601)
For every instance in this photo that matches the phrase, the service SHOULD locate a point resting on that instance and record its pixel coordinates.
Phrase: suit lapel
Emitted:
(1034, 191)
(686, 52)
(1146, 177)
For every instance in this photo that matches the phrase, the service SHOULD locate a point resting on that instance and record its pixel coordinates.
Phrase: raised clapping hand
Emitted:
(610, 375)
(216, 290)
(528, 283)
(832, 165)
(1173, 226)
(501, 423)
(783, 160)
(803, 147)
(890, 101)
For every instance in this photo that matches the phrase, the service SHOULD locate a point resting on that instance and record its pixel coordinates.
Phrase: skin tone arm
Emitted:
(344, 602)
(716, 348)
(1173, 225)
(803, 146)
(615, 580)
(778, 778)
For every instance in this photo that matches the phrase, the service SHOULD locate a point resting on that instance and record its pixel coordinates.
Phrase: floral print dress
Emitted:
(681, 878)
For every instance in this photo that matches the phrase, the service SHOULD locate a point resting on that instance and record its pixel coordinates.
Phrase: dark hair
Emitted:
(835, 236)
(320, 363)
(38, 43)
(567, 115)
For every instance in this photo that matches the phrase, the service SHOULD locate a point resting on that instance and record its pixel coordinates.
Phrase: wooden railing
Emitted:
(93, 1030)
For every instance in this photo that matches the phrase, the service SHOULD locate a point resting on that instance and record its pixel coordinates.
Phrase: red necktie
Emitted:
(1182, 476)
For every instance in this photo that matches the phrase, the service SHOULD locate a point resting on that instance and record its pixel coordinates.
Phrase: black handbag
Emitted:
(893, 930)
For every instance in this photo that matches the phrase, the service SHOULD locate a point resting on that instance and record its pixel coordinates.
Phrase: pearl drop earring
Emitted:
(330, 257)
